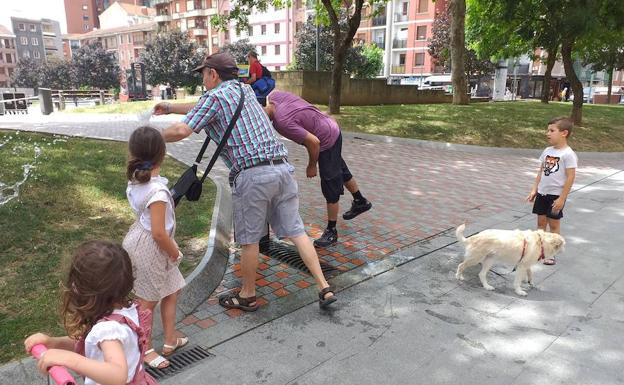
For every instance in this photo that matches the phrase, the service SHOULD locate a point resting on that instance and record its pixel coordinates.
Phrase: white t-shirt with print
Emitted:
(137, 192)
(554, 163)
(111, 331)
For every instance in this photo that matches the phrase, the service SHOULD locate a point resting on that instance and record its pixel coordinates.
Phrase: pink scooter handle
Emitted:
(59, 374)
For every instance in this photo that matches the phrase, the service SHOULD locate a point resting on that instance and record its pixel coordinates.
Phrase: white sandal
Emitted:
(156, 362)
(180, 343)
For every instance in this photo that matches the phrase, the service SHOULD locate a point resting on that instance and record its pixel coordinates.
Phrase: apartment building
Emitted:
(125, 43)
(272, 33)
(123, 15)
(83, 15)
(402, 28)
(38, 39)
(193, 17)
(8, 56)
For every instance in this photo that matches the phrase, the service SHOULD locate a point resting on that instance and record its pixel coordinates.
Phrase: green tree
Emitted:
(239, 50)
(373, 62)
(305, 52)
(94, 67)
(26, 73)
(440, 49)
(57, 74)
(170, 58)
(504, 26)
(328, 12)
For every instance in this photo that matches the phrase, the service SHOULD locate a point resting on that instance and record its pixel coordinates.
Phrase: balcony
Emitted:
(381, 44)
(399, 43)
(398, 18)
(379, 21)
(397, 69)
(200, 32)
(162, 18)
(156, 2)
(201, 12)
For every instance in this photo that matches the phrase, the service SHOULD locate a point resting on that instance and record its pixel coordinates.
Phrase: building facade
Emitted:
(193, 17)
(272, 33)
(125, 43)
(8, 56)
(83, 15)
(124, 15)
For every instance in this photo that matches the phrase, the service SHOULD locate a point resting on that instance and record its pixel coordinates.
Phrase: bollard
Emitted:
(61, 101)
(1, 105)
(101, 97)
(45, 100)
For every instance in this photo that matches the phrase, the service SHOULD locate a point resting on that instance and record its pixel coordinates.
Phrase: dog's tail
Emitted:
(459, 233)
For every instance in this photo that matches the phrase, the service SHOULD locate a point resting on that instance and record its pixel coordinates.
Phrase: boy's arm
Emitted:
(567, 186)
(113, 371)
(531, 196)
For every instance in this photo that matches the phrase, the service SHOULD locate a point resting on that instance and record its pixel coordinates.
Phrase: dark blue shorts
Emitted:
(333, 171)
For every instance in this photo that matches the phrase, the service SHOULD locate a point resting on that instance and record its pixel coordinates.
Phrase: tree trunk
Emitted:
(458, 52)
(610, 73)
(342, 42)
(336, 85)
(550, 64)
(577, 87)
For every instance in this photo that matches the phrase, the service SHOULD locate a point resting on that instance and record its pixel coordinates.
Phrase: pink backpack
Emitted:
(143, 332)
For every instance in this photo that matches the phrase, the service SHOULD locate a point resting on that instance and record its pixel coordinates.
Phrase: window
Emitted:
(263, 29)
(264, 50)
(26, 53)
(85, 7)
(85, 18)
(190, 23)
(86, 27)
(423, 6)
(9, 58)
(7, 43)
(215, 40)
(37, 55)
(121, 39)
(277, 49)
(277, 28)
(190, 5)
(10, 71)
(34, 41)
(419, 59)
(177, 7)
(404, 9)
(402, 59)
(129, 38)
(33, 28)
(421, 32)
(277, 68)
(24, 40)
(250, 30)
(21, 27)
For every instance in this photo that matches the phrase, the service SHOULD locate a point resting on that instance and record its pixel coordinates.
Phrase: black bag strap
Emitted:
(224, 139)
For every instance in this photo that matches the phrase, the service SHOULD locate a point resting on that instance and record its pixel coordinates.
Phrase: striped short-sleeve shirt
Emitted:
(252, 140)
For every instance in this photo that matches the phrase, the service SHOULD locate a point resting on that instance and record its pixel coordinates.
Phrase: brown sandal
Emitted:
(325, 302)
(235, 301)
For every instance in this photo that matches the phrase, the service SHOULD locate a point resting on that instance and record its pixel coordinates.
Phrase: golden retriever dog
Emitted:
(521, 249)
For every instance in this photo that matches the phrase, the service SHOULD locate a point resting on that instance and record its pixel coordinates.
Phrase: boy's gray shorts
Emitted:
(266, 194)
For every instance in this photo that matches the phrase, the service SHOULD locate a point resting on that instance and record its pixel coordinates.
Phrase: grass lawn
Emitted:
(506, 124)
(125, 108)
(75, 192)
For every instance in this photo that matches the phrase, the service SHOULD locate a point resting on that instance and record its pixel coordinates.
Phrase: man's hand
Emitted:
(557, 205)
(162, 108)
(531, 196)
(311, 171)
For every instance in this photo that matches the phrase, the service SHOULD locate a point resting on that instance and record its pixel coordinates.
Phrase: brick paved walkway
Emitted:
(417, 192)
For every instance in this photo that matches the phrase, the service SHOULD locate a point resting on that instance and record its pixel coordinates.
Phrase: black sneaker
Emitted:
(357, 208)
(329, 237)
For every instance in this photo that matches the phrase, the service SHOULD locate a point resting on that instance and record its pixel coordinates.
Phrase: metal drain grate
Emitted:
(179, 361)
(288, 254)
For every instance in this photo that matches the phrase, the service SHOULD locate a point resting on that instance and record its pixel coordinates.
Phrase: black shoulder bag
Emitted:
(188, 184)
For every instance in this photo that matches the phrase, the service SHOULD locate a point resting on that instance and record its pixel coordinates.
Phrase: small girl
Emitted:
(107, 333)
(150, 241)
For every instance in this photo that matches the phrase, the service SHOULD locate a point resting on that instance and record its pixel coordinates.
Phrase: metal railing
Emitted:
(399, 17)
(379, 20)
(399, 43)
(380, 44)
(398, 69)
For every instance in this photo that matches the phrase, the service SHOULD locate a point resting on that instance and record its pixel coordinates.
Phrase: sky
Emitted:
(33, 9)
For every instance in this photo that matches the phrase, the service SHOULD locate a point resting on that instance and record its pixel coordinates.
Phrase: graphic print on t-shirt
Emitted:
(551, 164)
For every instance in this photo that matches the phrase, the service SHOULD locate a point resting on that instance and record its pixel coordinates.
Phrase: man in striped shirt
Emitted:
(263, 187)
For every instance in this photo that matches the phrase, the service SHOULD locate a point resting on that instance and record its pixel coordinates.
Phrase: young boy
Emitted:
(555, 177)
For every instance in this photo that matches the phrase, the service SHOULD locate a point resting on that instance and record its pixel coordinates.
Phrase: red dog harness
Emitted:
(524, 245)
